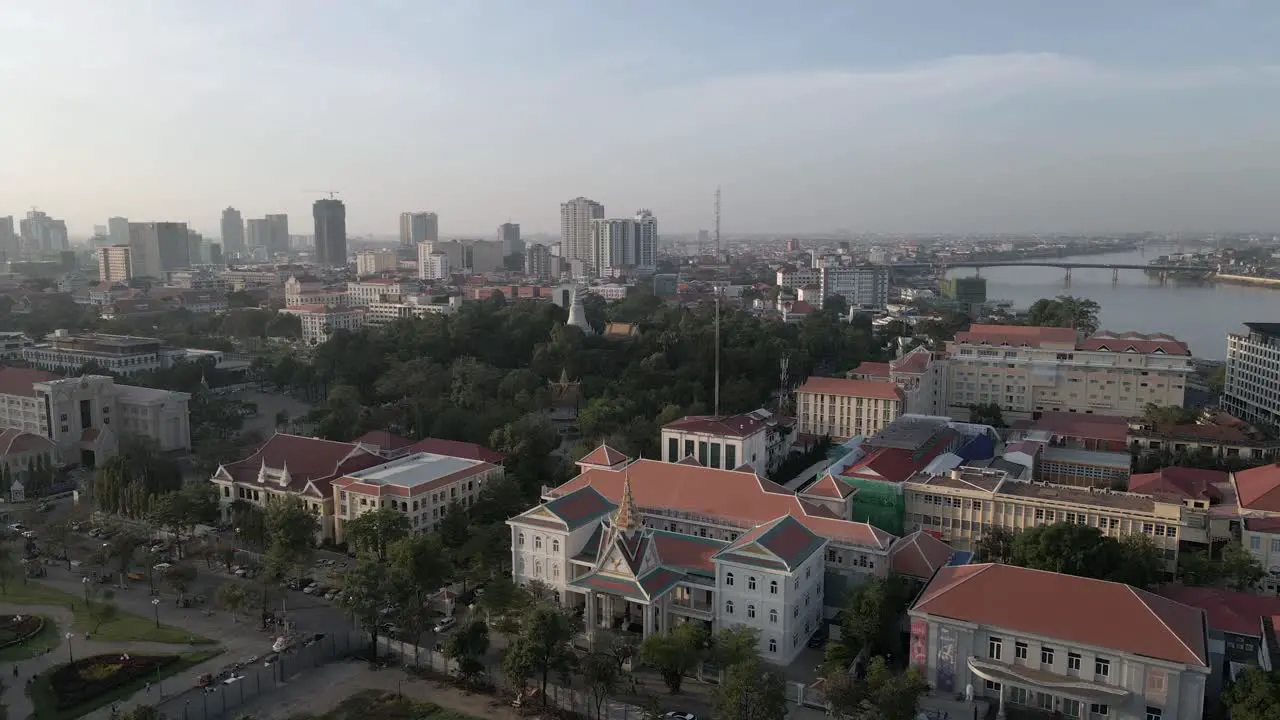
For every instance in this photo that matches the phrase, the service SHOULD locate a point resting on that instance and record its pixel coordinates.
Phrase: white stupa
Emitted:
(578, 314)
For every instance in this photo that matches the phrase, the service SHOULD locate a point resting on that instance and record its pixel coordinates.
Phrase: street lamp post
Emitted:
(155, 603)
(85, 581)
(70, 658)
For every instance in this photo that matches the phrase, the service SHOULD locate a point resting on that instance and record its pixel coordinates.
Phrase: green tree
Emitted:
(232, 597)
(466, 647)
(1069, 548)
(751, 692)
(123, 549)
(1254, 695)
(290, 530)
(1065, 311)
(872, 615)
(987, 414)
(180, 511)
(142, 712)
(366, 591)
(101, 607)
(735, 645)
(544, 644)
(57, 538)
(374, 531)
(601, 675)
(1240, 567)
(996, 545)
(1197, 569)
(180, 577)
(1159, 416)
(420, 567)
(1142, 563)
(675, 654)
(883, 695)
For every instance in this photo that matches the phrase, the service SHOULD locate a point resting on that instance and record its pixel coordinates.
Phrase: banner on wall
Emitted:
(919, 644)
(946, 675)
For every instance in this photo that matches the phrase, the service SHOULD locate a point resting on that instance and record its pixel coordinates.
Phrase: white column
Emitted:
(590, 616)
(647, 625)
(1000, 713)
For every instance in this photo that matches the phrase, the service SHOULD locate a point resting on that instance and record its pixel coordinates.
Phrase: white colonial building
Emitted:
(755, 440)
(642, 546)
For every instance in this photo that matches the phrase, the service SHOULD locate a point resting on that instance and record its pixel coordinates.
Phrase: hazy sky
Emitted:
(905, 115)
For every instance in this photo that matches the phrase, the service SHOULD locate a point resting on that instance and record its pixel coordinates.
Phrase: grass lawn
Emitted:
(44, 639)
(47, 709)
(123, 628)
(382, 705)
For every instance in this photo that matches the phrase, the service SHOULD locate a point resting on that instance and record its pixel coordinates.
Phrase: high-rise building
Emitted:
(114, 264)
(195, 247)
(1251, 390)
(537, 261)
(157, 247)
(215, 254)
(645, 255)
(432, 265)
(509, 236)
(418, 227)
(330, 217)
(277, 234)
(575, 228)
(864, 286)
(372, 262)
(118, 230)
(42, 234)
(8, 238)
(232, 232)
(483, 256)
(619, 243)
(257, 233)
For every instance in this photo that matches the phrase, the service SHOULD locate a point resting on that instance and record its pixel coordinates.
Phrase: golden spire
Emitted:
(625, 517)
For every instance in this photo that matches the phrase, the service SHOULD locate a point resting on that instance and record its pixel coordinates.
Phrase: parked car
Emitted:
(680, 715)
(444, 625)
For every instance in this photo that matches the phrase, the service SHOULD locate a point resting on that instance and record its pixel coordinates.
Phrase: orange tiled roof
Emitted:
(1258, 488)
(882, 389)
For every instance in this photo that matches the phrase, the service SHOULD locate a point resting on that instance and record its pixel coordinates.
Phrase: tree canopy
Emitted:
(1254, 695)
(1065, 311)
(1074, 549)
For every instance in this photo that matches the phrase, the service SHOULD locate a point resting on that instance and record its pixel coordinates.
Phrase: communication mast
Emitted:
(717, 211)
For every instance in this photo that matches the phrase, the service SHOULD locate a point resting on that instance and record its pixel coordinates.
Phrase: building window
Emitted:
(728, 579)
(773, 645)
(715, 455)
(730, 457)
(537, 542)
(728, 606)
(519, 538)
(555, 546)
(993, 648)
(537, 569)
(993, 686)
(751, 582)
(1255, 543)
(1046, 656)
(1154, 713)
(1155, 681)
(1070, 708)
(1099, 710)
(773, 616)
(1019, 651)
(751, 611)
(702, 453)
(673, 449)
(688, 449)
(1102, 667)
(773, 587)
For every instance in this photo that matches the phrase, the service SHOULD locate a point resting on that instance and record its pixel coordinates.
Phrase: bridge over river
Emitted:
(1164, 270)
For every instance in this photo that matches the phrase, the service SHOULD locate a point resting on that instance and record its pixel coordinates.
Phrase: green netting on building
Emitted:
(878, 503)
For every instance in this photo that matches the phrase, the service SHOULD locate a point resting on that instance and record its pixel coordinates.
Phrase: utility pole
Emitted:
(717, 220)
(716, 411)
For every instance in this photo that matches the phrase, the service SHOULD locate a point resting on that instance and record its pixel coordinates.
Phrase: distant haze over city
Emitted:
(998, 116)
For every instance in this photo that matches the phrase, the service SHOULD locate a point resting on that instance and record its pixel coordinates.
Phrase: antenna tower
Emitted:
(716, 411)
(717, 219)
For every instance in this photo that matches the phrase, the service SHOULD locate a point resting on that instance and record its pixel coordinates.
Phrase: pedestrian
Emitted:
(147, 688)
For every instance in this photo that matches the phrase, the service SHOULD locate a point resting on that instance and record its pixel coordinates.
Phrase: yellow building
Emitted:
(843, 408)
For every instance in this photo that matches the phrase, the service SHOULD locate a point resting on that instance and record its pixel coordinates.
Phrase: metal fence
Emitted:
(221, 699)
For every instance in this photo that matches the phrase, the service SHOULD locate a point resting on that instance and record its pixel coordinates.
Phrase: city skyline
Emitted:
(976, 117)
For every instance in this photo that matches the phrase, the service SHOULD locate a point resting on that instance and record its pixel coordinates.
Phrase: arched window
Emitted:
(751, 582)
(728, 579)
(520, 539)
(751, 611)
(773, 645)
(555, 546)
(537, 542)
(555, 571)
(773, 587)
(773, 616)
(728, 606)
(537, 569)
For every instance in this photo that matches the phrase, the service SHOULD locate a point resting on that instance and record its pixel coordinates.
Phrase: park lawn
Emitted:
(125, 627)
(380, 705)
(45, 639)
(46, 708)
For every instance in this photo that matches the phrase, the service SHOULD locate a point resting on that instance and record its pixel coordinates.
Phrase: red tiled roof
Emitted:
(1258, 488)
(739, 426)
(871, 370)
(604, 456)
(691, 460)
(892, 464)
(828, 487)
(1186, 483)
(817, 510)
(1269, 525)
(786, 538)
(456, 448)
(307, 459)
(797, 307)
(741, 497)
(915, 362)
(1090, 427)
(384, 440)
(1016, 335)
(882, 389)
(919, 555)
(13, 440)
(1065, 607)
(1228, 610)
(686, 552)
(18, 381)
(1122, 342)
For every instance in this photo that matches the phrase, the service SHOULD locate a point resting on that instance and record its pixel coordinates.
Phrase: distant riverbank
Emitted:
(1272, 283)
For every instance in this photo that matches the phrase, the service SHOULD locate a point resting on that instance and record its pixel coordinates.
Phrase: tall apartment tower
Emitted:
(1253, 363)
(330, 217)
(418, 227)
(42, 234)
(619, 243)
(118, 230)
(114, 264)
(509, 236)
(537, 261)
(278, 233)
(257, 233)
(157, 247)
(645, 255)
(8, 238)
(232, 232)
(575, 228)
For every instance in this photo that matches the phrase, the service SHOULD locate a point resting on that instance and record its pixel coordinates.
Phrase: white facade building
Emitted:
(320, 321)
(1252, 388)
(922, 377)
(575, 228)
(433, 265)
(755, 440)
(861, 286)
(410, 306)
(374, 262)
(120, 354)
(374, 290)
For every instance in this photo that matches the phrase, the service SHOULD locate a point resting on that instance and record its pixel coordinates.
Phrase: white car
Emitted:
(161, 567)
(444, 624)
(311, 589)
(677, 715)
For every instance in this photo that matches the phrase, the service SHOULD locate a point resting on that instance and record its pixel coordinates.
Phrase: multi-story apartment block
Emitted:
(538, 262)
(646, 545)
(860, 285)
(114, 264)
(962, 505)
(842, 408)
(1252, 389)
(86, 416)
(421, 485)
(1257, 492)
(1029, 371)
(156, 247)
(374, 262)
(418, 227)
(922, 376)
(575, 228)
(320, 321)
(432, 265)
(755, 440)
(120, 354)
(509, 236)
(1058, 644)
(376, 290)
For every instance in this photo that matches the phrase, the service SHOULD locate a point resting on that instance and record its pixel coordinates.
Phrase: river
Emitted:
(1197, 313)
